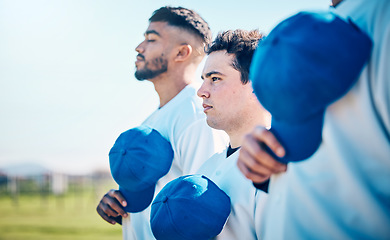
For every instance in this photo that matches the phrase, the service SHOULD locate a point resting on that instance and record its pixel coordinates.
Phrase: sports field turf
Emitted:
(54, 217)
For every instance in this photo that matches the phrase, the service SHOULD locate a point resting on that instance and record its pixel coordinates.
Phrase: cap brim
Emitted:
(300, 140)
(137, 201)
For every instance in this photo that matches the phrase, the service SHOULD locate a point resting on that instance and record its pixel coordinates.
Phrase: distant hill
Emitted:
(24, 169)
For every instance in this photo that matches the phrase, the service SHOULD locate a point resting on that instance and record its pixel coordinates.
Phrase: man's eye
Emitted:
(215, 79)
(150, 40)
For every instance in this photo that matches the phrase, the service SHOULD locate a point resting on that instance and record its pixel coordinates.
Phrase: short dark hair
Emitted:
(183, 18)
(242, 44)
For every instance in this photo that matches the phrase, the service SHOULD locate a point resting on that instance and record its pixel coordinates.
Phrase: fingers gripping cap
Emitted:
(307, 62)
(189, 207)
(138, 159)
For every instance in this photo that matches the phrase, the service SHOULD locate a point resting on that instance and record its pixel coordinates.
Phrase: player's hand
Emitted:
(110, 208)
(254, 161)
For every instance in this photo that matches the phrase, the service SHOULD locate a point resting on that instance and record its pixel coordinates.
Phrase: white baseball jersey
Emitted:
(343, 190)
(246, 201)
(183, 123)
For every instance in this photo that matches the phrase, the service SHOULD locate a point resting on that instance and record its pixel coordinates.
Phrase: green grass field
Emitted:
(54, 217)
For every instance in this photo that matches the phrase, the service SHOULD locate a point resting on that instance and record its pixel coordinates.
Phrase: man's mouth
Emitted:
(140, 58)
(206, 107)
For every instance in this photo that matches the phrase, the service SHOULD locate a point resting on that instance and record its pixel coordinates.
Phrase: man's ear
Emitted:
(183, 53)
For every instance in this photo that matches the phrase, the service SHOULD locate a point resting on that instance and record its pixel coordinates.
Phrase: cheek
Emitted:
(154, 50)
(221, 95)
(227, 101)
(236, 99)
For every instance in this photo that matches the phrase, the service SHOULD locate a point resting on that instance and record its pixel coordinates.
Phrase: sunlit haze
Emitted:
(67, 86)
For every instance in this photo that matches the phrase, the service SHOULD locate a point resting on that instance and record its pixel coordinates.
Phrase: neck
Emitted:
(258, 116)
(169, 84)
(237, 137)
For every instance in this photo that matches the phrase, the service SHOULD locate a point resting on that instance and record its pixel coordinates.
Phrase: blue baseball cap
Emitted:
(190, 207)
(138, 159)
(307, 62)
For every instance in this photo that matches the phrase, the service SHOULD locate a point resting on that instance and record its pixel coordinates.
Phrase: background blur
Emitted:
(67, 90)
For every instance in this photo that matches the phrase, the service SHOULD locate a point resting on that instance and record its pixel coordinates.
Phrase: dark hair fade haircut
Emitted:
(183, 18)
(242, 44)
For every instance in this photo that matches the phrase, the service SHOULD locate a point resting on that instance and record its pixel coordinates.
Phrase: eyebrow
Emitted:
(151, 32)
(211, 73)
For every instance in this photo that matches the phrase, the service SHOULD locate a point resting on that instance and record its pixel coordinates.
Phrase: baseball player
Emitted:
(342, 191)
(230, 105)
(168, 57)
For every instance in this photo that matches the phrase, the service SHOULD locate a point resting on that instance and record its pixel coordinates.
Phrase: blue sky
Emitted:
(67, 86)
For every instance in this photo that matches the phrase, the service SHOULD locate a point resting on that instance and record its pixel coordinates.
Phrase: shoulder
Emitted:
(186, 109)
(365, 13)
(211, 164)
(188, 102)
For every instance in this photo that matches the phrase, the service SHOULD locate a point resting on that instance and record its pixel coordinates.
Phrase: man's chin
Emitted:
(140, 76)
(212, 123)
(147, 74)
